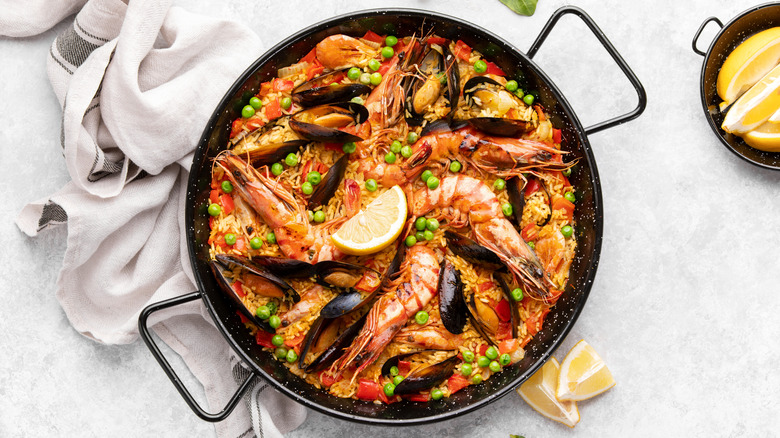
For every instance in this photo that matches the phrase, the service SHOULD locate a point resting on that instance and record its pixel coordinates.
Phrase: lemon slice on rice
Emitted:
(583, 374)
(539, 392)
(376, 227)
(747, 64)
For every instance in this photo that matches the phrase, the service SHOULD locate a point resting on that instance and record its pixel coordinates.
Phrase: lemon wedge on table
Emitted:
(376, 227)
(539, 392)
(756, 106)
(766, 137)
(583, 374)
(747, 64)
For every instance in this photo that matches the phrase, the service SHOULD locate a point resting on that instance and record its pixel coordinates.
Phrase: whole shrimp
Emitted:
(339, 51)
(465, 199)
(415, 288)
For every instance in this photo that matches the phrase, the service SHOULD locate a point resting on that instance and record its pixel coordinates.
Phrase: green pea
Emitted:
(277, 169)
(365, 78)
(477, 379)
(432, 182)
(437, 394)
(256, 103)
(528, 99)
(455, 166)
(215, 209)
(277, 340)
(505, 359)
(247, 112)
(291, 159)
(428, 234)
(397, 380)
(432, 224)
(420, 236)
(307, 188)
(465, 369)
(480, 66)
(390, 157)
(531, 245)
(387, 52)
(311, 215)
(517, 294)
(494, 366)
(371, 185)
(319, 216)
(568, 195)
(256, 243)
(499, 184)
(420, 223)
(292, 356)
(511, 86)
(274, 321)
(442, 78)
(507, 209)
(395, 146)
(491, 353)
(567, 231)
(483, 361)
(286, 103)
(230, 239)
(468, 356)
(519, 93)
(567, 172)
(349, 147)
(354, 73)
(390, 41)
(281, 353)
(314, 177)
(272, 307)
(412, 137)
(425, 175)
(374, 64)
(227, 187)
(376, 78)
(394, 371)
(358, 100)
(263, 312)
(421, 317)
(406, 151)
(410, 241)
(389, 389)
(270, 238)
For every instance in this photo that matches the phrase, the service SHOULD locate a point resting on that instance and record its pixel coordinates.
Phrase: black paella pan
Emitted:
(588, 216)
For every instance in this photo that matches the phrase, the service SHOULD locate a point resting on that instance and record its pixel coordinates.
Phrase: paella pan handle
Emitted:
(640, 91)
(143, 329)
(695, 42)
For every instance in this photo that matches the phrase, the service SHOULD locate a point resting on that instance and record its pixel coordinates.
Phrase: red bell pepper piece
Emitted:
(532, 187)
(529, 233)
(227, 203)
(502, 310)
(273, 110)
(244, 319)
(265, 88)
(315, 68)
(240, 244)
(462, 50)
(214, 196)
(493, 69)
(556, 135)
(485, 286)
(369, 282)
(333, 146)
(264, 338)
(367, 390)
(418, 398)
(254, 122)
(404, 367)
(456, 383)
(282, 84)
(237, 286)
(327, 379)
(236, 127)
(436, 40)
(373, 37)
(508, 346)
(311, 56)
(482, 349)
(504, 330)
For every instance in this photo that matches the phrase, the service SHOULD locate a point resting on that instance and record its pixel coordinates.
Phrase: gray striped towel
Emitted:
(137, 83)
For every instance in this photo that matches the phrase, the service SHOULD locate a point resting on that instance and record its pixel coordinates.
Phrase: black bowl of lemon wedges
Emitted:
(740, 84)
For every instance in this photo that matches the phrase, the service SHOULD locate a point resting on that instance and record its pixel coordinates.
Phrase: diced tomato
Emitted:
(240, 244)
(462, 50)
(556, 135)
(418, 398)
(404, 367)
(367, 390)
(254, 122)
(508, 346)
(561, 203)
(273, 110)
(220, 241)
(227, 203)
(482, 349)
(456, 383)
(502, 310)
(327, 379)
(314, 70)
(237, 286)
(530, 232)
(436, 40)
(282, 84)
(485, 286)
(493, 69)
(371, 36)
(235, 129)
(264, 338)
(532, 187)
(265, 88)
(504, 330)
(311, 56)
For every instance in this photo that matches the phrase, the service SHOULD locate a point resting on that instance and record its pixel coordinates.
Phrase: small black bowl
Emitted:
(736, 31)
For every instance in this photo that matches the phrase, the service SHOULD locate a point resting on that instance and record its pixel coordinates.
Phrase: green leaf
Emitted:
(522, 7)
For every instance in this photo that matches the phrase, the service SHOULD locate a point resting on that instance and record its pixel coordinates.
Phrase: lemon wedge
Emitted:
(756, 106)
(766, 137)
(583, 374)
(376, 227)
(747, 64)
(539, 392)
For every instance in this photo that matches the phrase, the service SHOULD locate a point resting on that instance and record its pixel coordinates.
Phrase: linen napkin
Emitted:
(137, 83)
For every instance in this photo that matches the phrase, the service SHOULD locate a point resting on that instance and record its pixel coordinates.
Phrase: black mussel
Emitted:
(262, 281)
(437, 75)
(452, 306)
(453, 80)
(427, 377)
(344, 303)
(485, 93)
(514, 307)
(284, 267)
(344, 275)
(484, 318)
(538, 182)
(514, 188)
(322, 123)
(227, 286)
(393, 361)
(329, 184)
(336, 348)
(327, 89)
(393, 269)
(272, 153)
(471, 251)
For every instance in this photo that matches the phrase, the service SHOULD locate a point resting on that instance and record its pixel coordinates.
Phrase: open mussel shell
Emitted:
(514, 307)
(272, 153)
(289, 293)
(452, 306)
(227, 286)
(453, 80)
(325, 190)
(322, 123)
(344, 275)
(487, 93)
(514, 188)
(427, 377)
(547, 197)
(484, 318)
(323, 90)
(335, 350)
(471, 251)
(393, 361)
(441, 126)
(394, 268)
(284, 267)
(424, 90)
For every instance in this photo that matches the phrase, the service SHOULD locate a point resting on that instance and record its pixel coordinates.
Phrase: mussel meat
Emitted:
(484, 319)
(471, 251)
(260, 279)
(427, 377)
(326, 89)
(452, 306)
(344, 275)
(329, 184)
(323, 123)
(421, 91)
(512, 117)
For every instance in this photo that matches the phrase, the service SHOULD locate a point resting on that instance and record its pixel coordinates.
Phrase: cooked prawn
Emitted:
(339, 51)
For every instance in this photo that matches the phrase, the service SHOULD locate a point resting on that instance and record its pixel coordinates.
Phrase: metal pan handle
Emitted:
(695, 42)
(640, 91)
(146, 335)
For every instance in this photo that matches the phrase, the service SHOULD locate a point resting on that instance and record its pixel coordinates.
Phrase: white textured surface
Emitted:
(683, 308)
